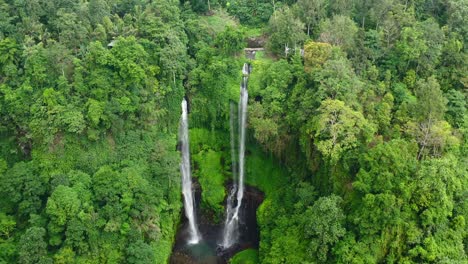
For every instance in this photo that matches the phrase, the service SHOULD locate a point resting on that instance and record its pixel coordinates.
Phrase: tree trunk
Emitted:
(426, 137)
(274, 9)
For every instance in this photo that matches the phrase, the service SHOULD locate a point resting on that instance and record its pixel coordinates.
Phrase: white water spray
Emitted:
(232, 214)
(189, 202)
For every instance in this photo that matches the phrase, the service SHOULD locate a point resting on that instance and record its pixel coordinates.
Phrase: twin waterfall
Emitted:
(189, 202)
(236, 194)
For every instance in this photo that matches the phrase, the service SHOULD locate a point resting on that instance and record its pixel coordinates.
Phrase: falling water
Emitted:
(187, 178)
(232, 214)
(229, 225)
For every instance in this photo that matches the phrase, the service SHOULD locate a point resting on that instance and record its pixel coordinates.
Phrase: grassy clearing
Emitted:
(216, 22)
(261, 56)
(253, 32)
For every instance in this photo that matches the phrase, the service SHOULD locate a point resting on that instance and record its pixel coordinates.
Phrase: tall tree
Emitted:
(311, 12)
(337, 129)
(33, 248)
(339, 31)
(324, 227)
(286, 31)
(432, 133)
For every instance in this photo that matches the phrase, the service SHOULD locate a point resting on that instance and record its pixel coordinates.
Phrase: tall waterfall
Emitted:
(189, 202)
(233, 206)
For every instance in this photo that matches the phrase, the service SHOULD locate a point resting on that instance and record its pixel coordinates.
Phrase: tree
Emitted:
(266, 117)
(420, 47)
(32, 247)
(337, 80)
(7, 225)
(8, 51)
(457, 12)
(439, 184)
(451, 77)
(383, 113)
(341, 7)
(98, 9)
(285, 31)
(337, 129)
(140, 253)
(252, 12)
(173, 69)
(456, 108)
(64, 256)
(62, 206)
(23, 188)
(432, 133)
(230, 41)
(72, 32)
(339, 31)
(108, 185)
(311, 12)
(316, 54)
(385, 169)
(324, 227)
(6, 19)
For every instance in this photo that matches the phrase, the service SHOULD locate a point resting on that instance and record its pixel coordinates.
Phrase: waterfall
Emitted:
(189, 203)
(233, 207)
(229, 226)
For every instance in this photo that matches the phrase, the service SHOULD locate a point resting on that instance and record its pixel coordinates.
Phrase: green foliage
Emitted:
(33, 247)
(264, 173)
(22, 189)
(285, 31)
(215, 80)
(337, 129)
(248, 256)
(311, 12)
(230, 41)
(337, 80)
(252, 12)
(339, 31)
(274, 81)
(324, 226)
(211, 178)
(315, 54)
(62, 206)
(7, 225)
(456, 108)
(432, 133)
(365, 136)
(140, 252)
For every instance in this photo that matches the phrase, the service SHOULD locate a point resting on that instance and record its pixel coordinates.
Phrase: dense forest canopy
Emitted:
(357, 124)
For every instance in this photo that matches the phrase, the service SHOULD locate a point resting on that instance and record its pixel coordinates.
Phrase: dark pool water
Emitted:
(208, 250)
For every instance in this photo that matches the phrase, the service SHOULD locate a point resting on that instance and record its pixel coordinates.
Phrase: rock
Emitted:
(256, 42)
